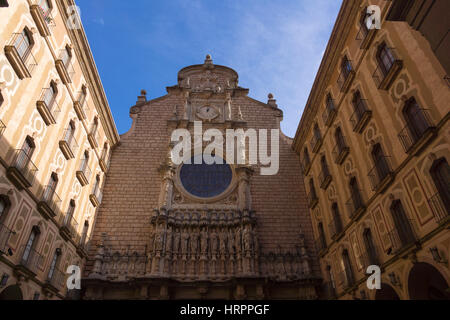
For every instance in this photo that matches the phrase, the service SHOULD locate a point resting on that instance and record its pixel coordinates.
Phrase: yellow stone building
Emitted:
(375, 150)
(56, 133)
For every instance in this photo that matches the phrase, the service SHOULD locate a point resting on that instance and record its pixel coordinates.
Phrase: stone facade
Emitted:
(374, 143)
(154, 240)
(53, 113)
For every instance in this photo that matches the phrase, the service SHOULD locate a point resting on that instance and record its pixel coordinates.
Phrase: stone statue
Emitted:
(159, 238)
(230, 242)
(194, 242)
(204, 241)
(176, 241)
(247, 238)
(223, 242)
(237, 240)
(169, 240)
(213, 242)
(184, 242)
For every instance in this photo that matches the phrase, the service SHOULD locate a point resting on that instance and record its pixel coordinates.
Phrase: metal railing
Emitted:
(56, 278)
(403, 235)
(69, 138)
(68, 222)
(23, 48)
(335, 226)
(360, 109)
(49, 196)
(48, 97)
(31, 259)
(67, 61)
(415, 129)
(46, 12)
(441, 210)
(5, 234)
(379, 172)
(345, 74)
(330, 111)
(354, 204)
(382, 71)
(22, 162)
(84, 168)
(340, 147)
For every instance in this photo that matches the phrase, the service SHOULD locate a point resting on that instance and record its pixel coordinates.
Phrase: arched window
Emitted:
(23, 43)
(371, 252)
(54, 263)
(403, 233)
(29, 251)
(440, 173)
(416, 119)
(385, 58)
(4, 207)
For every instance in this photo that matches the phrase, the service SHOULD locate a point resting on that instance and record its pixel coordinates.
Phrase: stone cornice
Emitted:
(90, 72)
(330, 60)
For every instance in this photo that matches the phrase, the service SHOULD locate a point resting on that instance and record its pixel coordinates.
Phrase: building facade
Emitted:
(56, 133)
(374, 144)
(197, 231)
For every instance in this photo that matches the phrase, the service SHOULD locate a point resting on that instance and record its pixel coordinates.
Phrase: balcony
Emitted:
(49, 202)
(18, 53)
(336, 229)
(417, 133)
(316, 143)
(440, 209)
(403, 237)
(340, 151)
(104, 161)
(329, 290)
(384, 78)
(346, 279)
(369, 258)
(329, 114)
(48, 107)
(365, 36)
(29, 263)
(5, 235)
(306, 166)
(355, 206)
(312, 200)
(84, 174)
(381, 175)
(360, 117)
(345, 79)
(82, 249)
(69, 226)
(96, 197)
(22, 170)
(64, 67)
(42, 17)
(93, 138)
(55, 281)
(2, 128)
(325, 178)
(68, 145)
(81, 108)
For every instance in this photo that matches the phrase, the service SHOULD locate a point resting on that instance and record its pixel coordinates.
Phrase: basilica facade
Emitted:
(197, 231)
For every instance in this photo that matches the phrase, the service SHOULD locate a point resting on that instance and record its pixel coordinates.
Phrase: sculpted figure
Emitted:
(223, 242)
(159, 239)
(214, 242)
(204, 241)
(194, 242)
(176, 241)
(230, 242)
(237, 240)
(184, 241)
(247, 239)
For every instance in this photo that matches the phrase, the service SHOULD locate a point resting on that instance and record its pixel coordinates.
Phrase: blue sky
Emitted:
(275, 46)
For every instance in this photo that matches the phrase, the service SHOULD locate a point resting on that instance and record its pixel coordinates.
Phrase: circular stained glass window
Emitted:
(206, 180)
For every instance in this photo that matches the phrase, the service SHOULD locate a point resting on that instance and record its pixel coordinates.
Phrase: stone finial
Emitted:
(208, 59)
(272, 102)
(143, 97)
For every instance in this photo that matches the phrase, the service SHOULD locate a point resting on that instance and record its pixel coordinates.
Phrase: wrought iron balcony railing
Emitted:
(84, 173)
(385, 74)
(5, 235)
(403, 236)
(365, 36)
(360, 116)
(346, 77)
(64, 66)
(31, 259)
(81, 106)
(355, 205)
(56, 278)
(330, 113)
(381, 174)
(440, 208)
(340, 151)
(22, 170)
(416, 130)
(96, 196)
(49, 202)
(68, 144)
(42, 16)
(48, 106)
(18, 52)
(68, 225)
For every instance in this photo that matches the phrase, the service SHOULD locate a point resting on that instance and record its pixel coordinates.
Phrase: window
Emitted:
(330, 103)
(322, 240)
(370, 247)
(340, 142)
(85, 161)
(83, 95)
(94, 126)
(97, 184)
(50, 95)
(66, 56)
(312, 189)
(324, 166)
(358, 105)
(105, 152)
(346, 67)
(440, 173)
(70, 213)
(356, 195)
(84, 233)
(24, 156)
(415, 119)
(23, 43)
(53, 265)
(404, 234)
(51, 187)
(381, 164)
(31, 244)
(347, 268)
(385, 58)
(70, 132)
(317, 134)
(306, 158)
(336, 217)
(4, 206)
